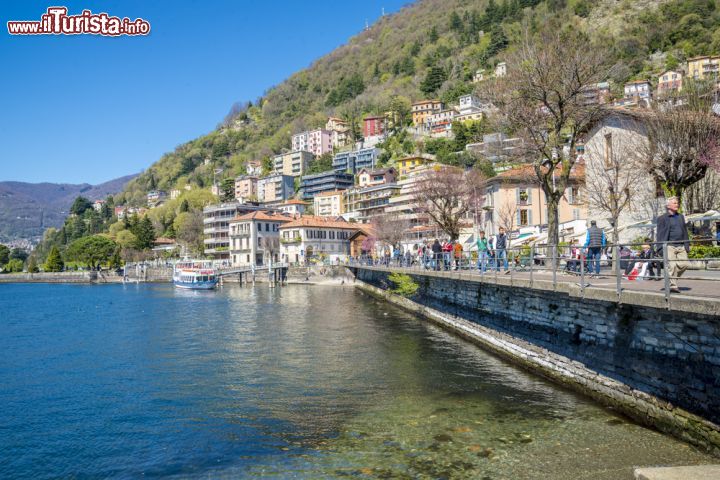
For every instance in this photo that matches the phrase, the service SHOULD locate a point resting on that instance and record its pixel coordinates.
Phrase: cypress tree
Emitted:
(54, 262)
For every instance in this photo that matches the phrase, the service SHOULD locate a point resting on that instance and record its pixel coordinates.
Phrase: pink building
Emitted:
(317, 141)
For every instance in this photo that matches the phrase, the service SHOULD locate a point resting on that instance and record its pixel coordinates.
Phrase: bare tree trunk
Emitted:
(553, 228)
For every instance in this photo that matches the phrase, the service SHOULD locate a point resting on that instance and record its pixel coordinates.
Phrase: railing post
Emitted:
(532, 263)
(554, 261)
(618, 275)
(666, 274)
(582, 273)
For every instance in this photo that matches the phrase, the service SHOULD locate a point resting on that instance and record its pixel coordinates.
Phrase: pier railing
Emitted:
(655, 267)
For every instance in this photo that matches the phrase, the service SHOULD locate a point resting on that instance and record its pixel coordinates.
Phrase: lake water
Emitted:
(302, 382)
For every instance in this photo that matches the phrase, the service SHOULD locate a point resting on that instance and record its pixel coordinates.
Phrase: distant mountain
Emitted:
(27, 209)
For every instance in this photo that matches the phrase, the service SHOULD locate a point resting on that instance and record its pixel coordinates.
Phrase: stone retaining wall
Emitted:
(658, 366)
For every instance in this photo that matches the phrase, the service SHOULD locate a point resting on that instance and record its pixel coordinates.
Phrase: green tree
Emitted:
(32, 266)
(227, 189)
(433, 35)
(321, 164)
(54, 262)
(80, 205)
(145, 234)
(18, 254)
(15, 265)
(115, 261)
(434, 79)
(92, 251)
(4, 254)
(184, 206)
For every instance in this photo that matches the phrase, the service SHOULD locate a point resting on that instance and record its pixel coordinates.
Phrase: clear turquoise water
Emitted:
(298, 382)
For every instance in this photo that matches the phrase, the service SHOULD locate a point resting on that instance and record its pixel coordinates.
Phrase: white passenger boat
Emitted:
(195, 275)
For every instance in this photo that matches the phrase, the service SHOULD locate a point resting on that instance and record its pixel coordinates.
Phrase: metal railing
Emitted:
(654, 267)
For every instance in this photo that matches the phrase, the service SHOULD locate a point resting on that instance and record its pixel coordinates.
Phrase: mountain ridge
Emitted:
(26, 209)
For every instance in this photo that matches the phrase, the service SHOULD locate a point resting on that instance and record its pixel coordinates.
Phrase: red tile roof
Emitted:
(321, 222)
(262, 216)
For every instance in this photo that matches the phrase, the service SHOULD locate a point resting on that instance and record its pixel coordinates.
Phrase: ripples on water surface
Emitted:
(299, 382)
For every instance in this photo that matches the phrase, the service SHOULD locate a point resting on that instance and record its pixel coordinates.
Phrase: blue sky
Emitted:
(89, 109)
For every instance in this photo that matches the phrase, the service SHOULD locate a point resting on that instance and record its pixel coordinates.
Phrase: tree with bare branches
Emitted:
(542, 99)
(703, 195)
(614, 186)
(447, 195)
(683, 139)
(506, 216)
(391, 228)
(270, 246)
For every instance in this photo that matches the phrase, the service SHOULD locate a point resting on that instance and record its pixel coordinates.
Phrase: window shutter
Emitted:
(529, 196)
(518, 218)
(517, 197)
(530, 222)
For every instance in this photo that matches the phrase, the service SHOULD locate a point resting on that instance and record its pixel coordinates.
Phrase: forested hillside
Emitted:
(429, 49)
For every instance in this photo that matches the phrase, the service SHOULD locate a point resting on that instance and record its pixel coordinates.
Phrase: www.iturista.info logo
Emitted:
(57, 22)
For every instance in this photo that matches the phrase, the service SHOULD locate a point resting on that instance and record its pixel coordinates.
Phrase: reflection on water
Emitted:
(296, 382)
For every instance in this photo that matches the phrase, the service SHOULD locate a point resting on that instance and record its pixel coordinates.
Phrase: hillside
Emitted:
(430, 49)
(26, 209)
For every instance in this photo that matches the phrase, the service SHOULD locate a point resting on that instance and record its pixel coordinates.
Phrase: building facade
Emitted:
(408, 165)
(293, 163)
(370, 201)
(312, 237)
(311, 185)
(339, 131)
(373, 126)
(614, 140)
(216, 226)
(255, 238)
(329, 204)
(275, 188)
(669, 82)
(440, 123)
(355, 160)
(317, 142)
(246, 188)
(705, 67)
(421, 110)
(368, 178)
(514, 201)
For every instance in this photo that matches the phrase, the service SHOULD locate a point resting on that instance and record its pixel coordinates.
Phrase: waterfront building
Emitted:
(317, 142)
(246, 188)
(354, 160)
(421, 110)
(514, 201)
(275, 188)
(613, 140)
(292, 163)
(311, 185)
(404, 203)
(329, 204)
(216, 226)
(255, 237)
(254, 167)
(310, 237)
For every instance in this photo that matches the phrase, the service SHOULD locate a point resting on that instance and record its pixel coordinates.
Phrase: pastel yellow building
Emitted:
(409, 164)
(707, 66)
